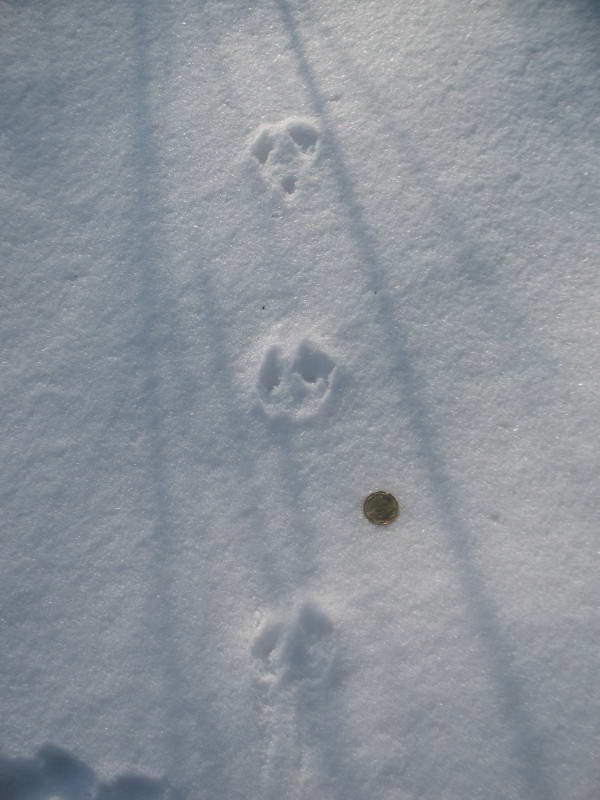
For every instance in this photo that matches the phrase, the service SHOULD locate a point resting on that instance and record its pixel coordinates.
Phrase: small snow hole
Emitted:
(289, 184)
(304, 135)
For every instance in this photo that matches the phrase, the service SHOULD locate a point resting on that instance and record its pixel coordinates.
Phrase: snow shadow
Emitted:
(136, 787)
(55, 774)
(52, 772)
(154, 301)
(160, 345)
(471, 265)
(160, 340)
(482, 615)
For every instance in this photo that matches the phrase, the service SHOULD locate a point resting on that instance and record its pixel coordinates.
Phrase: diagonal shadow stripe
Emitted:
(481, 613)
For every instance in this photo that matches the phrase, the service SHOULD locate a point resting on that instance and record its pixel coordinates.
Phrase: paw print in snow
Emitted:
(301, 650)
(296, 387)
(285, 151)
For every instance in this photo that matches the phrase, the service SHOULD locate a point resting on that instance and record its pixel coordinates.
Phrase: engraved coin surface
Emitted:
(381, 508)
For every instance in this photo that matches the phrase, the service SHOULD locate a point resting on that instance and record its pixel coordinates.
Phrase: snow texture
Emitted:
(260, 258)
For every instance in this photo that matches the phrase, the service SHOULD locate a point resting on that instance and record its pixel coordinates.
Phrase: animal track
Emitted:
(298, 664)
(298, 386)
(301, 650)
(285, 151)
(55, 774)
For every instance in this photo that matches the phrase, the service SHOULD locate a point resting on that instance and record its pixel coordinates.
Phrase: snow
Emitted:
(260, 259)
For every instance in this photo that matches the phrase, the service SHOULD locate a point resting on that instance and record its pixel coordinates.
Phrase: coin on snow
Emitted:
(381, 508)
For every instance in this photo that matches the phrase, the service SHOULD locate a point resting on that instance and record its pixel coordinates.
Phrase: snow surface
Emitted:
(261, 257)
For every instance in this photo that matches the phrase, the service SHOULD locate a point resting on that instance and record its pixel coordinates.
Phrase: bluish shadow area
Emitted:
(584, 11)
(155, 341)
(470, 264)
(53, 772)
(481, 613)
(538, 6)
(137, 787)
(159, 355)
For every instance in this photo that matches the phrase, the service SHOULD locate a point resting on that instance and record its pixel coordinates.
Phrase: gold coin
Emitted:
(381, 508)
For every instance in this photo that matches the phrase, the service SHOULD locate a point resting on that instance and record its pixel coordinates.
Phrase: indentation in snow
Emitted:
(285, 151)
(296, 386)
(55, 774)
(299, 649)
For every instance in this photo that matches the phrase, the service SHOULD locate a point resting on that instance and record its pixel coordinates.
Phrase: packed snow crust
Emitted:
(261, 257)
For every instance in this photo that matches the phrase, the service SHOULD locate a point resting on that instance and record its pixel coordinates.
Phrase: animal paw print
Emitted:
(285, 151)
(299, 651)
(296, 387)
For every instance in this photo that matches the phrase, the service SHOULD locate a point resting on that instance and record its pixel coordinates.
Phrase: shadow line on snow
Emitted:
(160, 342)
(161, 616)
(158, 325)
(275, 572)
(481, 614)
(472, 267)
